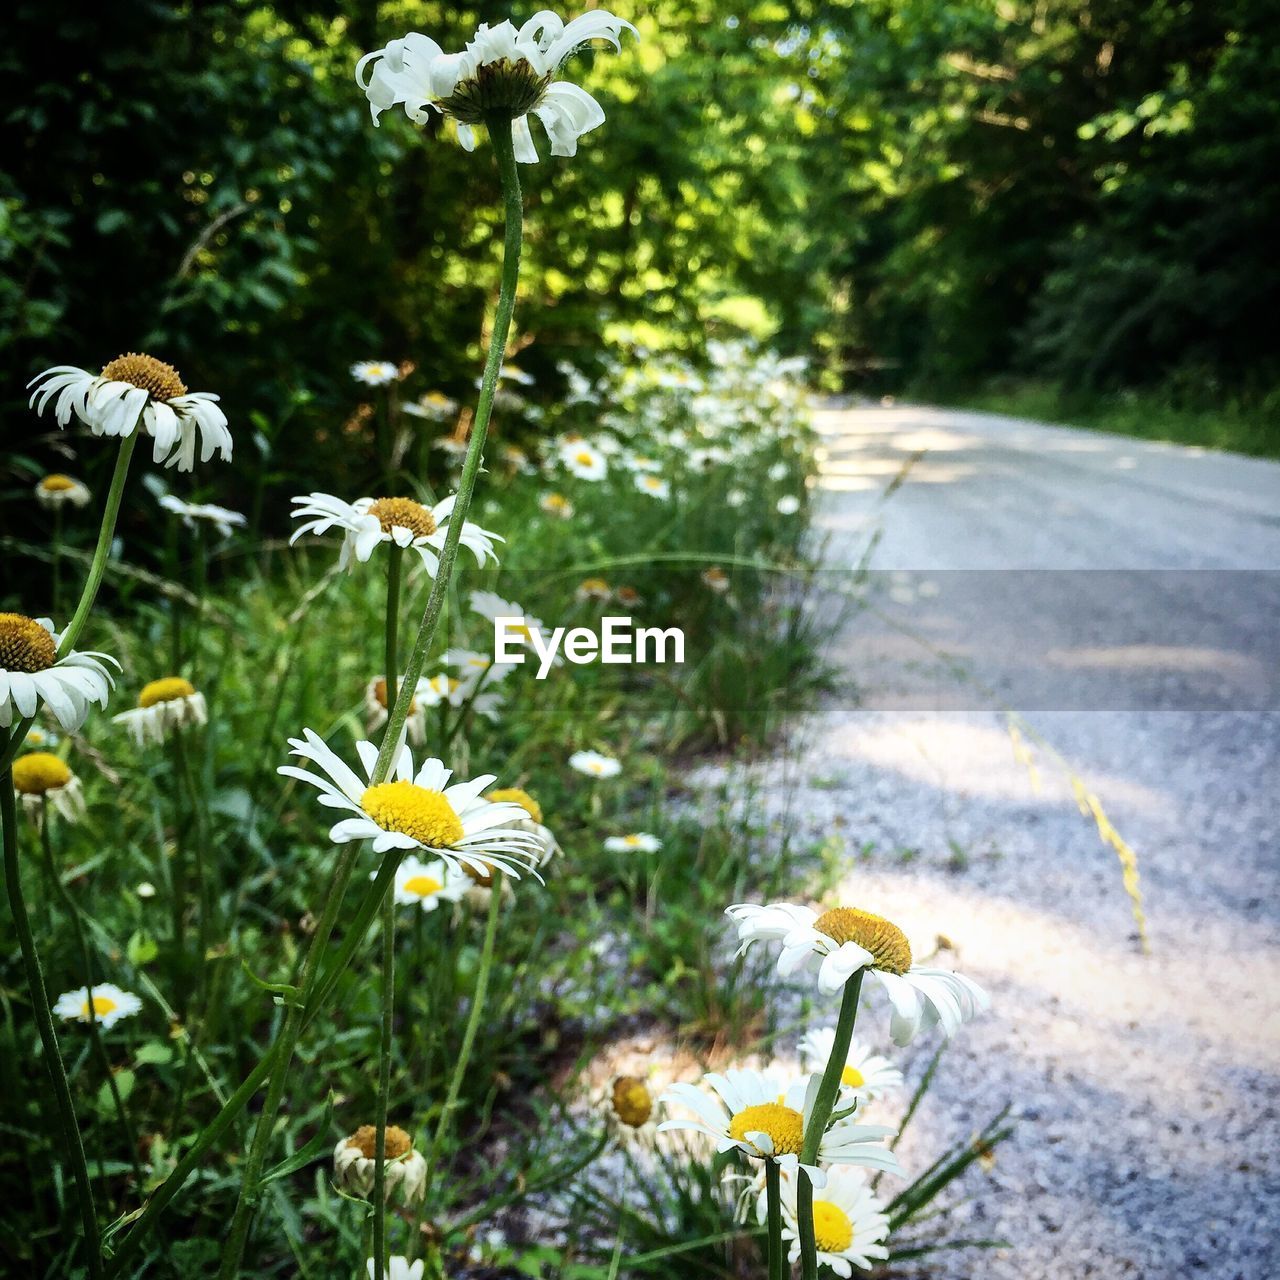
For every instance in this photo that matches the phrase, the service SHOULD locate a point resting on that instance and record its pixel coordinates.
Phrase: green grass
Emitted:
(1233, 425)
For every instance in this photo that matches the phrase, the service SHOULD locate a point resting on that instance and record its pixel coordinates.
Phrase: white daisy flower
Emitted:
(454, 692)
(416, 810)
(756, 1114)
(138, 390)
(145, 889)
(638, 462)
(595, 765)
(39, 739)
(865, 1076)
(376, 713)
(778, 471)
(223, 521)
(502, 69)
(398, 1268)
(110, 1004)
(375, 373)
(715, 578)
(847, 940)
(519, 626)
(529, 820)
(57, 490)
(736, 497)
(787, 505)
(427, 884)
(455, 448)
(509, 373)
(163, 705)
(584, 461)
(654, 486)
(434, 406)
(556, 504)
(31, 673)
(369, 522)
(355, 1164)
(636, 842)
(39, 777)
(474, 667)
(593, 589)
(849, 1222)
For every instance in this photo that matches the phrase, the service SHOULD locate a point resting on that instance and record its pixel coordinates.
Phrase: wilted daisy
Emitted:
(355, 1163)
(398, 1268)
(369, 522)
(40, 777)
(636, 842)
(110, 1004)
(223, 521)
(865, 1076)
(57, 490)
(756, 1114)
(630, 1102)
(427, 884)
(716, 578)
(595, 765)
(376, 712)
(847, 940)
(592, 589)
(654, 486)
(529, 820)
(556, 504)
(138, 390)
(584, 461)
(435, 406)
(164, 705)
(31, 673)
(416, 810)
(504, 72)
(849, 1222)
(787, 505)
(375, 373)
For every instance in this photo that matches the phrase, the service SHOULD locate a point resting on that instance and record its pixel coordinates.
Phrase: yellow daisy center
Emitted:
(166, 689)
(852, 1077)
(436, 398)
(380, 694)
(832, 1230)
(594, 587)
(102, 1005)
(405, 513)
(513, 795)
(25, 645)
(556, 501)
(632, 1102)
(159, 380)
(415, 811)
(887, 943)
(631, 840)
(783, 1124)
(423, 886)
(57, 483)
(38, 772)
(583, 458)
(395, 1141)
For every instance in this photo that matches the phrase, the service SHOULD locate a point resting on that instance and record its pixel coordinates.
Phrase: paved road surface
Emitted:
(1124, 598)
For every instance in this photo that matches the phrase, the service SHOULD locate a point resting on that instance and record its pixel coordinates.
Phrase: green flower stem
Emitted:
(97, 567)
(828, 1088)
(73, 1147)
(388, 957)
(282, 1052)
(500, 137)
(469, 1036)
(72, 908)
(204, 924)
(773, 1194)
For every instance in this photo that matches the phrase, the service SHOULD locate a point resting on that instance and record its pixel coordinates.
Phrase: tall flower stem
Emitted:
(828, 1088)
(500, 136)
(287, 1041)
(72, 1144)
(388, 957)
(72, 908)
(469, 1036)
(773, 1196)
(97, 567)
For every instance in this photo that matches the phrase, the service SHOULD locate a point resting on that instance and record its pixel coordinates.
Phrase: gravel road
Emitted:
(1124, 599)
